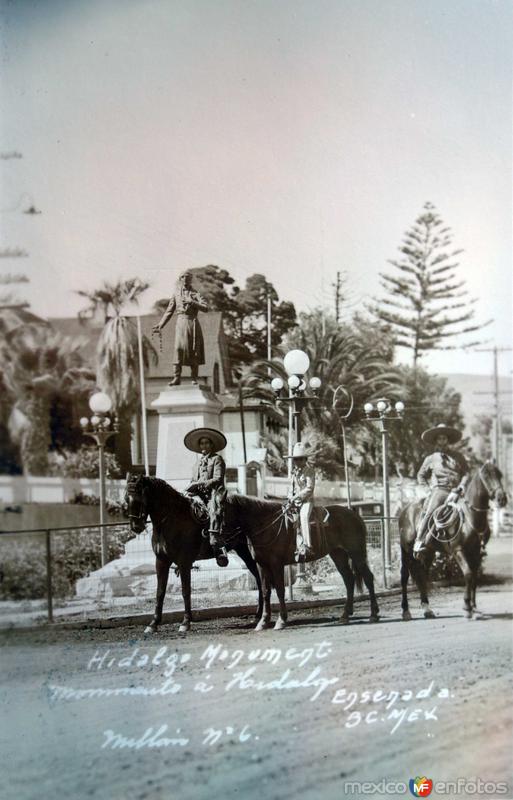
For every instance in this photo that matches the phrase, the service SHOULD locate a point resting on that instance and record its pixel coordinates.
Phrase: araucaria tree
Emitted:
(425, 304)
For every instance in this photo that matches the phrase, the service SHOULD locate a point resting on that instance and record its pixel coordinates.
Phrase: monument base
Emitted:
(181, 408)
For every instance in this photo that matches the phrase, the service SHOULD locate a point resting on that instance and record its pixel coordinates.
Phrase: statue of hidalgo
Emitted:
(189, 345)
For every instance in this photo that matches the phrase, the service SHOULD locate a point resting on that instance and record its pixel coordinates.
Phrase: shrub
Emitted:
(74, 555)
(82, 463)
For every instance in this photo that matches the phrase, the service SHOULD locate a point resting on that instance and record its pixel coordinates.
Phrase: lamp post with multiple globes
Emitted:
(100, 428)
(296, 363)
(382, 413)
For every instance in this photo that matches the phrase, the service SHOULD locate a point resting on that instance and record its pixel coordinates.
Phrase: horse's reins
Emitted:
(281, 514)
(445, 516)
(231, 535)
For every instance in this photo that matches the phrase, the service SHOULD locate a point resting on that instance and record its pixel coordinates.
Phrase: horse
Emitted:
(273, 539)
(456, 531)
(177, 538)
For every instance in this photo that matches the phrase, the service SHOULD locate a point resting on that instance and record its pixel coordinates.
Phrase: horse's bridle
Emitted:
(490, 491)
(142, 516)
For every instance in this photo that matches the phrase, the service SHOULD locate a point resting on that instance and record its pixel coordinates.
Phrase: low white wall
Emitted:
(400, 491)
(20, 489)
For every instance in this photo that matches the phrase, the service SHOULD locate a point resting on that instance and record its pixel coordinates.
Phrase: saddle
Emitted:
(319, 520)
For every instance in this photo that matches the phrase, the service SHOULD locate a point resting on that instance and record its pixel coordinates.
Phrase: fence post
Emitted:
(49, 592)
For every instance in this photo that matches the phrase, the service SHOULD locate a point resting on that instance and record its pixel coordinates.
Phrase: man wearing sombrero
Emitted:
(301, 496)
(208, 483)
(444, 473)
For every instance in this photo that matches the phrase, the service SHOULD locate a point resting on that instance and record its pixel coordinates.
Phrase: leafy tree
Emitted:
(118, 355)
(428, 402)
(83, 463)
(340, 357)
(36, 366)
(425, 304)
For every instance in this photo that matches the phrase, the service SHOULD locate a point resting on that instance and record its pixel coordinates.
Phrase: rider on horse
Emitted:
(301, 496)
(208, 483)
(444, 473)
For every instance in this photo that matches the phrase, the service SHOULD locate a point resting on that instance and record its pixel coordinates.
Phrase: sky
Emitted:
(290, 138)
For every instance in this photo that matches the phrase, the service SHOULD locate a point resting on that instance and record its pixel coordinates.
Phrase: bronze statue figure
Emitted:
(189, 347)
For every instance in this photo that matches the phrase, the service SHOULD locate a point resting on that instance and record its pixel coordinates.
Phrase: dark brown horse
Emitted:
(274, 543)
(177, 538)
(459, 533)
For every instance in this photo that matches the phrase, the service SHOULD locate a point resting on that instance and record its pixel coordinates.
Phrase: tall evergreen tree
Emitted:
(425, 304)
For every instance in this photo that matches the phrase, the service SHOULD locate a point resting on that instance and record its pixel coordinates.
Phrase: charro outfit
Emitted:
(208, 483)
(443, 473)
(301, 494)
(189, 346)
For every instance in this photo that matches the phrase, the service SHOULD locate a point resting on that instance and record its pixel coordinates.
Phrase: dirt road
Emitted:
(227, 713)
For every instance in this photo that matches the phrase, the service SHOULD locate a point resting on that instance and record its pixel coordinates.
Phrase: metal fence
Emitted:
(55, 574)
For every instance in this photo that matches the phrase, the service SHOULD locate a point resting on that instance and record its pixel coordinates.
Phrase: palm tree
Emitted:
(36, 365)
(340, 356)
(118, 355)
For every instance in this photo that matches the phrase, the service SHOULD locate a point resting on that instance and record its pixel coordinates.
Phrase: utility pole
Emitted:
(337, 286)
(269, 310)
(496, 407)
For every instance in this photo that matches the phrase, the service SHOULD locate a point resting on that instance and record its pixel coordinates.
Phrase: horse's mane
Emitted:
(252, 504)
(164, 492)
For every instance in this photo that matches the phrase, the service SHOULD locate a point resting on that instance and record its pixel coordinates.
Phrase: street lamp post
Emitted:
(98, 427)
(341, 392)
(381, 414)
(296, 363)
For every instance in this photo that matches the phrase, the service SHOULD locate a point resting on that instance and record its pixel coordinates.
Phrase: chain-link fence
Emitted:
(57, 574)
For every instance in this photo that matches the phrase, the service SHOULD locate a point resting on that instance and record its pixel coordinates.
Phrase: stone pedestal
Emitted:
(180, 408)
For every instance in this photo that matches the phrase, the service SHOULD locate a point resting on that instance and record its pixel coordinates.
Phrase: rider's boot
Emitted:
(299, 555)
(221, 557)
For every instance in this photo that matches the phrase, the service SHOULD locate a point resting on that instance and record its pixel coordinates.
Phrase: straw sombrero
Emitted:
(453, 435)
(192, 439)
(300, 451)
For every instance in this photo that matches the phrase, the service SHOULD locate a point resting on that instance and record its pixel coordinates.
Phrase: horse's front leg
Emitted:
(162, 568)
(279, 585)
(405, 574)
(265, 619)
(185, 577)
(420, 573)
(469, 581)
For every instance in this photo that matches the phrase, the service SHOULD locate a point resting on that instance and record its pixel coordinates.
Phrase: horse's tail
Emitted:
(358, 577)
(356, 565)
